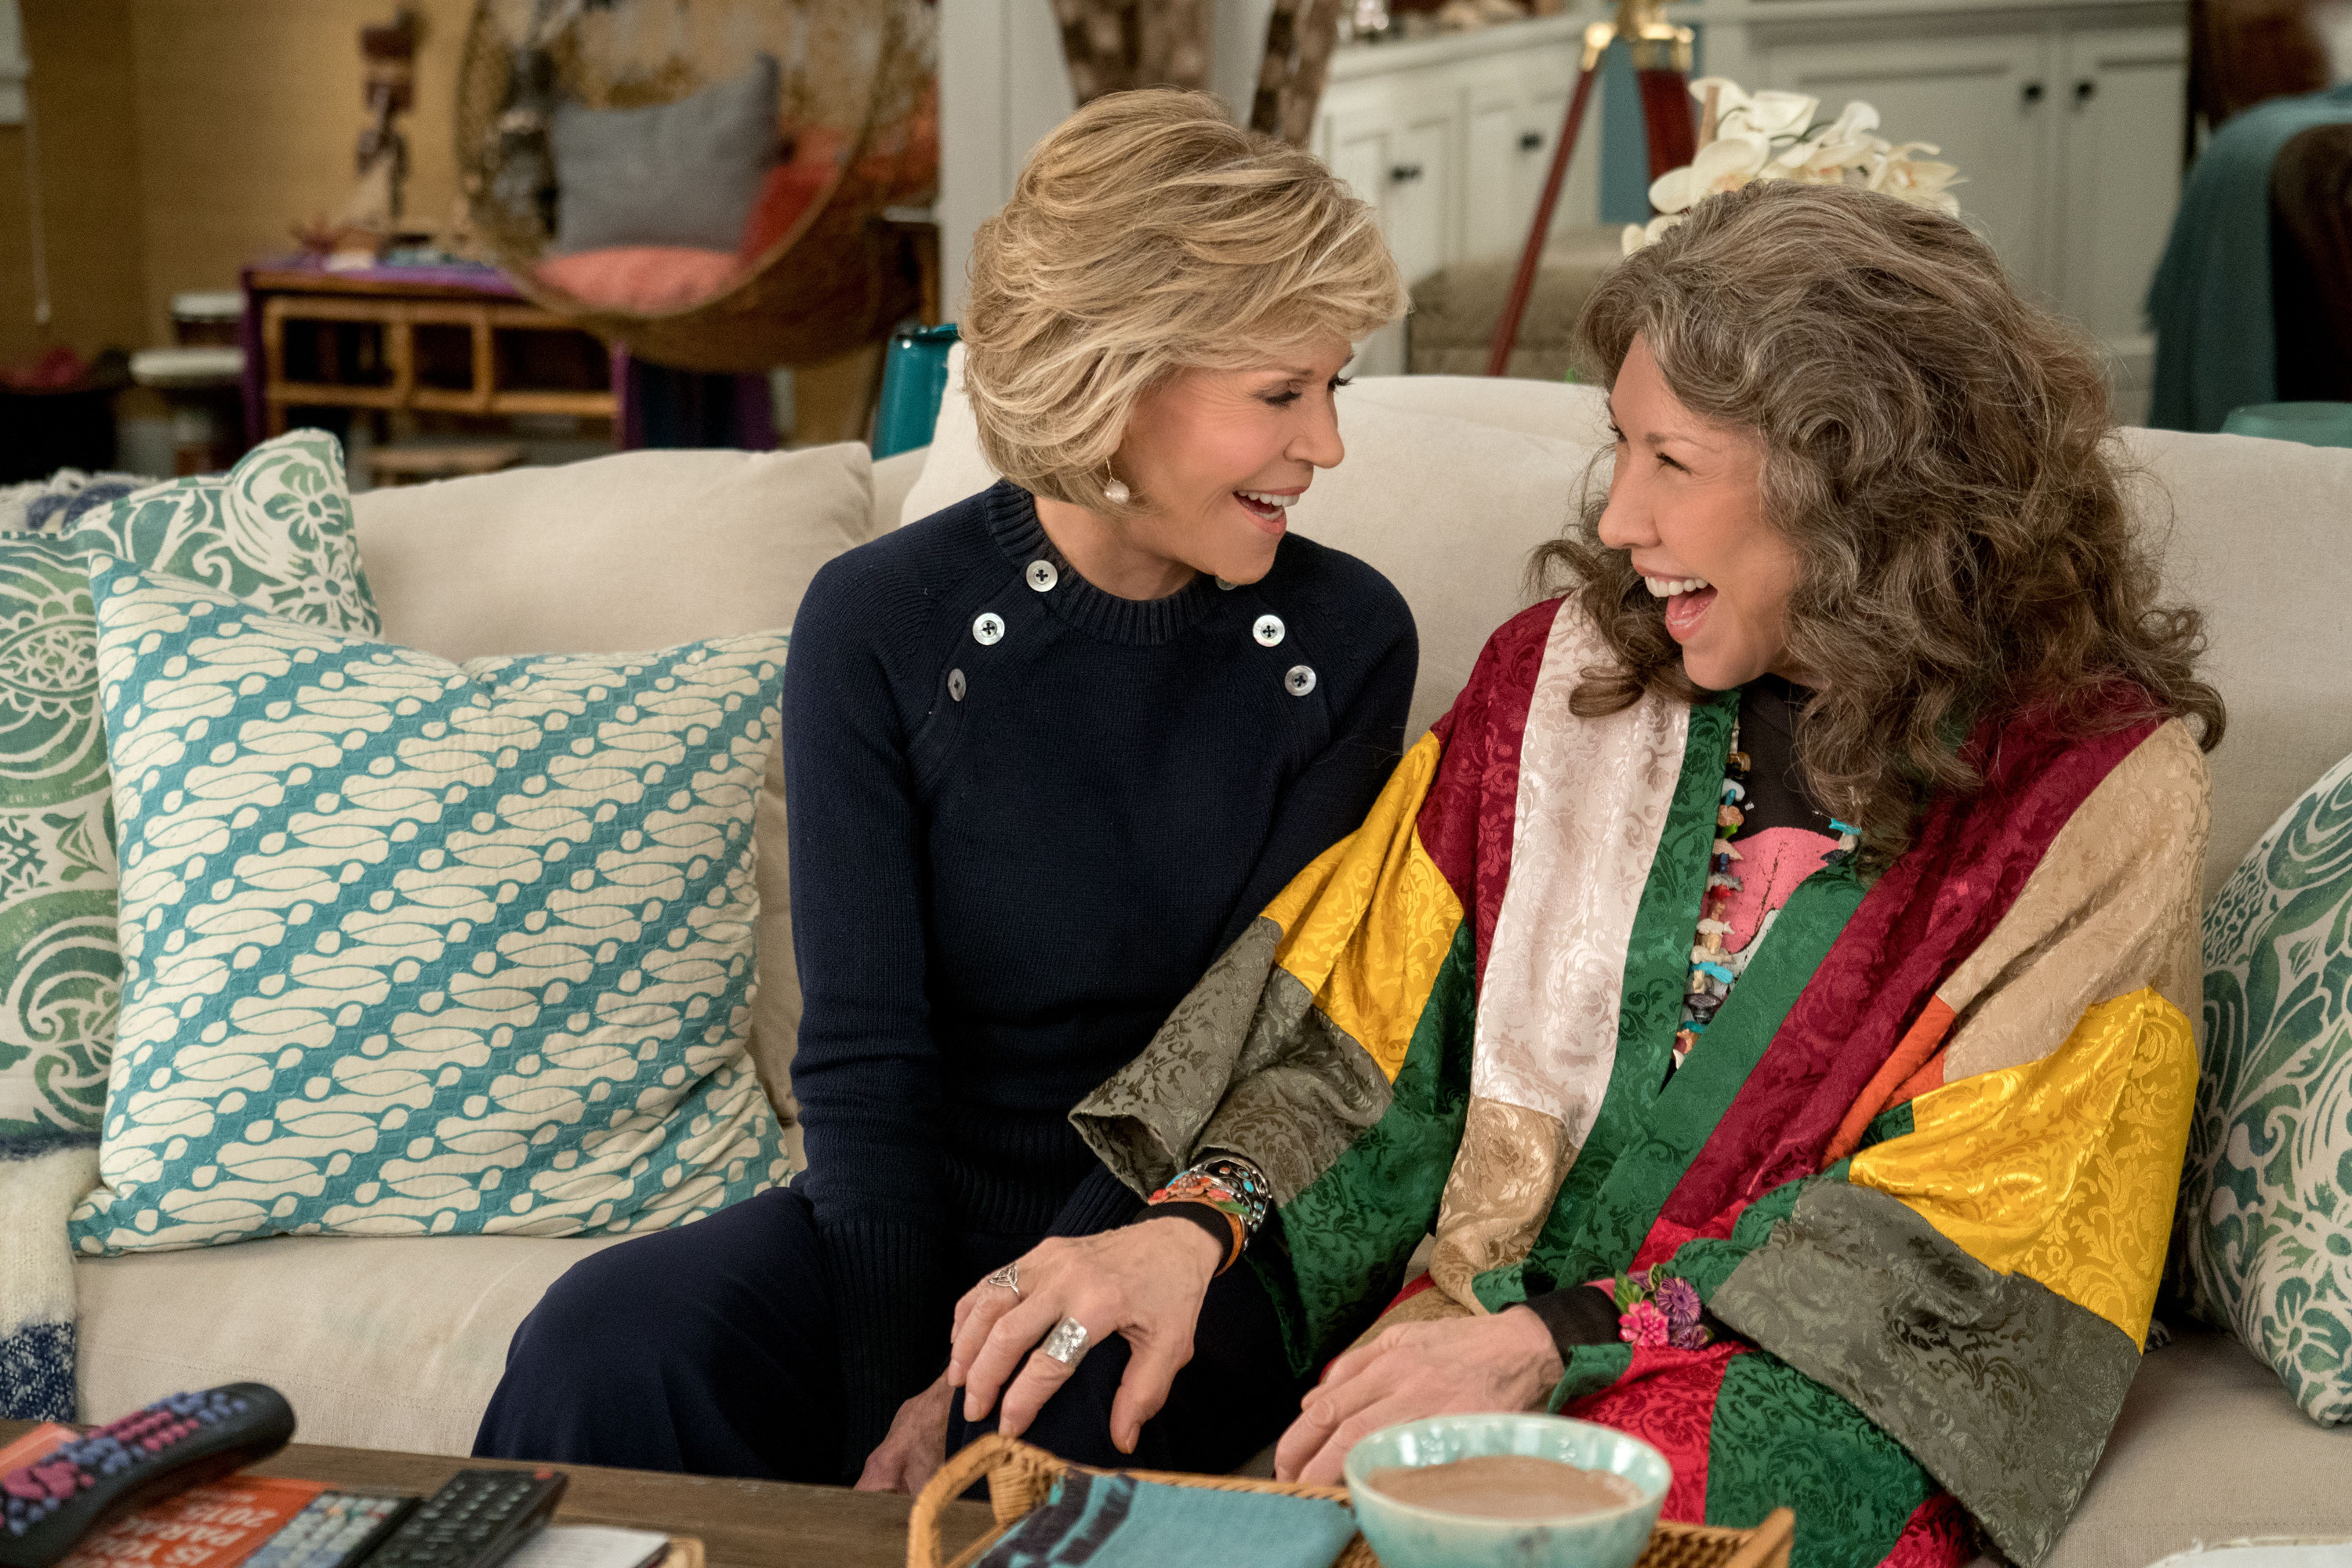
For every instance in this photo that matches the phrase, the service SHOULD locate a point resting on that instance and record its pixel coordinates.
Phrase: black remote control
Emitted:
(478, 1519)
(336, 1530)
(157, 1452)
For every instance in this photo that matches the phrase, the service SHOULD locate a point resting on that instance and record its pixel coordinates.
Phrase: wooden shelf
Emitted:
(397, 316)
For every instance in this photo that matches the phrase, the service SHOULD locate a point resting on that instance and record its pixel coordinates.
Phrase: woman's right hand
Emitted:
(1144, 1282)
(916, 1445)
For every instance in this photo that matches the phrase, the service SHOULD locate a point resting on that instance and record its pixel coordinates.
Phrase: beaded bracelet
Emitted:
(1655, 1308)
(1229, 1185)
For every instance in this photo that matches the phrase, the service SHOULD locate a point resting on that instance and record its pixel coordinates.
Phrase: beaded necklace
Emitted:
(1712, 967)
(1711, 972)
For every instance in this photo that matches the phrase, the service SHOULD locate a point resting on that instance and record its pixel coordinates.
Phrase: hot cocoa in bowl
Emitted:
(1506, 1491)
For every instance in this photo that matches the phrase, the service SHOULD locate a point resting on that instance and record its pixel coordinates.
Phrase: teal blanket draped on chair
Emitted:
(2216, 348)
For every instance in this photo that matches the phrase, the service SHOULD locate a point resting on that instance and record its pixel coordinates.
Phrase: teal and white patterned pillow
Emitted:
(2265, 1242)
(412, 948)
(277, 531)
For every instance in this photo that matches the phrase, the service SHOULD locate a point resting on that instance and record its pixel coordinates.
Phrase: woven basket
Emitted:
(1019, 1478)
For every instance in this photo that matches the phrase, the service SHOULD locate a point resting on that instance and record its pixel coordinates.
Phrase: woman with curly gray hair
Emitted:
(1048, 752)
(1771, 981)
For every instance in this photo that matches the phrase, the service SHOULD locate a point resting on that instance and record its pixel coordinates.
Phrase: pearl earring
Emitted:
(1116, 493)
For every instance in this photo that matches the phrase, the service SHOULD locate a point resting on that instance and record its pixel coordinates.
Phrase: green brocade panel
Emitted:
(1590, 1370)
(1650, 1007)
(1779, 1439)
(1707, 1263)
(1350, 1235)
(1601, 1235)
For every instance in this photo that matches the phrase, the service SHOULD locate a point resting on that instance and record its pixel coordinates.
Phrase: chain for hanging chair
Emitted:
(857, 95)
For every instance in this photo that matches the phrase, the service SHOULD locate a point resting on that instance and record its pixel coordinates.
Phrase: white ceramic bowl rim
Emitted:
(1587, 1518)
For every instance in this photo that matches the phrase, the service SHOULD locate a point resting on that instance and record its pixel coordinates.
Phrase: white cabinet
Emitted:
(1983, 99)
(2063, 115)
(2066, 122)
(1451, 139)
(2121, 94)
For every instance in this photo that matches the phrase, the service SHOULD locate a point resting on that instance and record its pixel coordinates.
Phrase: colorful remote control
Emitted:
(165, 1448)
(336, 1530)
(479, 1517)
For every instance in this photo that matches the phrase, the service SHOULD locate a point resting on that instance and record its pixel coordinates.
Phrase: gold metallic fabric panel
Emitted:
(1367, 926)
(2063, 1170)
(1499, 1193)
(2112, 907)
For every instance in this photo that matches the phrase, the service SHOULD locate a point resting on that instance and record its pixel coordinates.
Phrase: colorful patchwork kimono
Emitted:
(1922, 1162)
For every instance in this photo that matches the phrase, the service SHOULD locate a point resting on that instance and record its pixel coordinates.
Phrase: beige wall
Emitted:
(182, 138)
(80, 94)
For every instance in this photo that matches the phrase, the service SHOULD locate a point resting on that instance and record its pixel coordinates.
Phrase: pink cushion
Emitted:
(790, 188)
(644, 280)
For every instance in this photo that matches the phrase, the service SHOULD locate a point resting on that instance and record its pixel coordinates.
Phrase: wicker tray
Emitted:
(1019, 1478)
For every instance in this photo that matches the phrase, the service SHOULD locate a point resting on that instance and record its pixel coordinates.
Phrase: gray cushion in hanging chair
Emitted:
(679, 173)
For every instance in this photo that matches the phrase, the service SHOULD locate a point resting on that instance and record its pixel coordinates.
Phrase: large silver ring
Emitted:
(1068, 1341)
(1009, 1277)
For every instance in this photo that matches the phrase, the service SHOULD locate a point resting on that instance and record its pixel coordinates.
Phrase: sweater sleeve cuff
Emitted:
(1101, 1203)
(888, 1284)
(1576, 1315)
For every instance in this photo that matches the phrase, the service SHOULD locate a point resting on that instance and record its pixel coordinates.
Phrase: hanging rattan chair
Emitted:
(857, 83)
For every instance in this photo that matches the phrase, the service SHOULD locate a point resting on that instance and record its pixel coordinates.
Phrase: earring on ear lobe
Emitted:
(1116, 493)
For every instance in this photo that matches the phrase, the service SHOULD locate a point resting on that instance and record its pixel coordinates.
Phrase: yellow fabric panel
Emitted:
(1366, 926)
(2062, 1169)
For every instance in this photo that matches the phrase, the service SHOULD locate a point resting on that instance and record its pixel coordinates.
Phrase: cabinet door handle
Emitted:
(2086, 90)
(1403, 172)
(1530, 139)
(2035, 91)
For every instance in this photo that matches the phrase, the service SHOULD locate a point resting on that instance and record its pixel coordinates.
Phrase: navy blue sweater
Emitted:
(1026, 815)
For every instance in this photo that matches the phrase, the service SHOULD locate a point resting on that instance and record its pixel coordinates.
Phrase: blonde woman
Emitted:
(1048, 751)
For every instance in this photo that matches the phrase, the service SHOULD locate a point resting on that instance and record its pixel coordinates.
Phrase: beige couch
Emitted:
(1448, 482)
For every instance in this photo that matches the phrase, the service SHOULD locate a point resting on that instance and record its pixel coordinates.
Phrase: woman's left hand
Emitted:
(1144, 1282)
(1506, 1361)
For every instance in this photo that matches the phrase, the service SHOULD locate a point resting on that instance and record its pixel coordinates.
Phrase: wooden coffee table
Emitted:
(742, 1524)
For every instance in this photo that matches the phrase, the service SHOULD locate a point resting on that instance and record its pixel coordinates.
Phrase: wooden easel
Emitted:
(1661, 63)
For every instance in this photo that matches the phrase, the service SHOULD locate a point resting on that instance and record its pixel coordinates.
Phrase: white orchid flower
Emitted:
(1724, 164)
(1749, 128)
(1636, 235)
(1770, 115)
(1845, 143)
(1919, 181)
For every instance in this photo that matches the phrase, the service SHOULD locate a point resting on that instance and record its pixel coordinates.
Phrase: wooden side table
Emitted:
(394, 367)
(742, 1524)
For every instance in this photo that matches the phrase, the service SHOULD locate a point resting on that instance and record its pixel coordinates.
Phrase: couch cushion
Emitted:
(2209, 1447)
(640, 550)
(894, 478)
(378, 1343)
(953, 467)
(2253, 534)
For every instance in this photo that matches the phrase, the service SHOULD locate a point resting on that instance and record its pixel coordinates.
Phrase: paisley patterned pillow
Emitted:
(2265, 1242)
(274, 530)
(411, 947)
(277, 531)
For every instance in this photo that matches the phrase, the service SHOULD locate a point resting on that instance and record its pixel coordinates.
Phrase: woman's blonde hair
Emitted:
(1937, 451)
(1149, 235)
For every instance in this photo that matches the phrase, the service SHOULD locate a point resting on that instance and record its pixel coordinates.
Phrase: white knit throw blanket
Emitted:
(41, 1179)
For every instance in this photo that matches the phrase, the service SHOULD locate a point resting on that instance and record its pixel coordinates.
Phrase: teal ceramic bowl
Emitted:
(1408, 1536)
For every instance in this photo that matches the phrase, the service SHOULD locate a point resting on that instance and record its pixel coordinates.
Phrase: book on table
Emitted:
(222, 1523)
